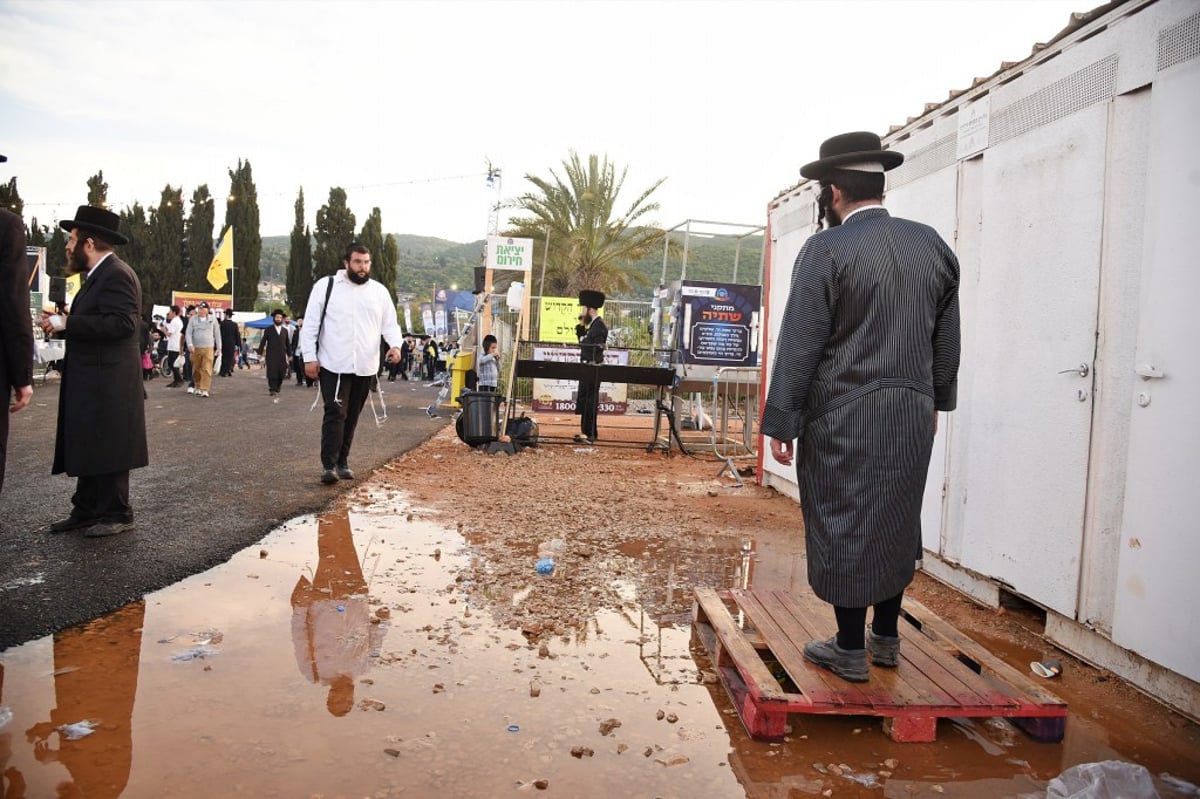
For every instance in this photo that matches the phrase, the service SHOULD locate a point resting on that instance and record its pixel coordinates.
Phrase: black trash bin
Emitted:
(478, 420)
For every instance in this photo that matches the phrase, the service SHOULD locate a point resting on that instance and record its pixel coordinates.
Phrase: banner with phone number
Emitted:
(559, 395)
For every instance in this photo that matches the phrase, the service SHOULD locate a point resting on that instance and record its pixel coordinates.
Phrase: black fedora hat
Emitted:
(591, 299)
(851, 150)
(100, 221)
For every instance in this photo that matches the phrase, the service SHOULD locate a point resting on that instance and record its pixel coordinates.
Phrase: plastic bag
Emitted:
(1108, 779)
(179, 362)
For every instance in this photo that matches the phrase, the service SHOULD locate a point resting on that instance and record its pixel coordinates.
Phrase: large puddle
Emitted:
(345, 657)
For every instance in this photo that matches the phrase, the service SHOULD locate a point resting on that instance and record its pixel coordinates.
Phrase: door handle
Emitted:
(1147, 372)
(1081, 370)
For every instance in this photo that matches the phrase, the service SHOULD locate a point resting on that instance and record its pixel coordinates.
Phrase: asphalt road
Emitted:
(223, 472)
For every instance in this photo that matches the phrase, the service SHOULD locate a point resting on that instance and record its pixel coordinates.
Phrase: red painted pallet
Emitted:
(942, 673)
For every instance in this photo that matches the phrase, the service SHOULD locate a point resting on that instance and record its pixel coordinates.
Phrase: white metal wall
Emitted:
(1077, 231)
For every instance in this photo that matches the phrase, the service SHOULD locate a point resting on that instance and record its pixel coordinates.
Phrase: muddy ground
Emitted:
(665, 524)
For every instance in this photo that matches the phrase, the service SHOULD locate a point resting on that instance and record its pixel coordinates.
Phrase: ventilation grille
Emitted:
(1179, 43)
(1088, 86)
(800, 214)
(925, 161)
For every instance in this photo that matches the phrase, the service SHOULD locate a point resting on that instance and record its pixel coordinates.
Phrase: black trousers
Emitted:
(588, 399)
(102, 497)
(344, 397)
(176, 372)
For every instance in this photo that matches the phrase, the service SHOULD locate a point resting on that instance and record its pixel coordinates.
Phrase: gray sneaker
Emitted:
(849, 664)
(884, 650)
(328, 477)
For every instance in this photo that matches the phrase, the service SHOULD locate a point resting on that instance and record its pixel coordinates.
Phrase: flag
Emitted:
(222, 261)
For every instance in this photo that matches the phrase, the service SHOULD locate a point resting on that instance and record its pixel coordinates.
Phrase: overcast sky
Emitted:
(403, 103)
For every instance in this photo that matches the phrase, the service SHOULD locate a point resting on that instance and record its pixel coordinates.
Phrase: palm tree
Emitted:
(589, 247)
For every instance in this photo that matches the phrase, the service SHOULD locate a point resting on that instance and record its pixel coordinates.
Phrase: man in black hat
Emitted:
(593, 335)
(16, 332)
(230, 338)
(276, 342)
(867, 355)
(101, 413)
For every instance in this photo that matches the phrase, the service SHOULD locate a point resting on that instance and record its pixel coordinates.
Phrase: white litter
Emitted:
(80, 729)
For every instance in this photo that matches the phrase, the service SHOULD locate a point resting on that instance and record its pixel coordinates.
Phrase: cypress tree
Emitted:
(241, 211)
(372, 237)
(200, 235)
(137, 253)
(335, 229)
(300, 261)
(56, 252)
(37, 234)
(161, 268)
(389, 261)
(97, 190)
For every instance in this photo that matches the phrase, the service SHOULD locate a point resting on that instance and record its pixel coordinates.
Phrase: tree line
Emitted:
(172, 251)
(583, 239)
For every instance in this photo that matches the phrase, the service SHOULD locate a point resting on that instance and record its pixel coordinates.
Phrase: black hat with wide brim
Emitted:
(591, 299)
(851, 148)
(100, 221)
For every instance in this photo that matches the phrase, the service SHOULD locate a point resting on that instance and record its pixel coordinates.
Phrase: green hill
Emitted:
(426, 262)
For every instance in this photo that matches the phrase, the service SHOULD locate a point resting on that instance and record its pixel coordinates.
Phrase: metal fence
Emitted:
(720, 416)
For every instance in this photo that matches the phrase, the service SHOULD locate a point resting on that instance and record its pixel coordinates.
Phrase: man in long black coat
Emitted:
(101, 412)
(276, 343)
(593, 335)
(16, 332)
(867, 355)
(230, 337)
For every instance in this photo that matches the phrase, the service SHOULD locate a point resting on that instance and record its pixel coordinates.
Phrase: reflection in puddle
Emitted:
(343, 659)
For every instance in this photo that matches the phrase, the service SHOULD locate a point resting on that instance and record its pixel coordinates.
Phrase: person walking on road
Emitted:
(203, 341)
(298, 354)
(348, 313)
(172, 330)
(230, 336)
(276, 342)
(101, 431)
(16, 328)
(867, 354)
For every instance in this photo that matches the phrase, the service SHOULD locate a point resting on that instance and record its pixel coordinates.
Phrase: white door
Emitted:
(1035, 338)
(1158, 585)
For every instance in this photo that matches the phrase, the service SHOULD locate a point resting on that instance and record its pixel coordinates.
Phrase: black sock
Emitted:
(851, 627)
(885, 619)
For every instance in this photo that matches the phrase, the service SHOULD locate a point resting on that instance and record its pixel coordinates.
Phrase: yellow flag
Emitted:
(222, 261)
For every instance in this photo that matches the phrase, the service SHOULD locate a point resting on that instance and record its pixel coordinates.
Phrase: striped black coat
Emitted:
(868, 348)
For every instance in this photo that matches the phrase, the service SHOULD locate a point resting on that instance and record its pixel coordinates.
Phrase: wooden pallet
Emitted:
(942, 673)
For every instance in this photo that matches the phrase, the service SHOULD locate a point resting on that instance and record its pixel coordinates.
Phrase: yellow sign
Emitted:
(557, 319)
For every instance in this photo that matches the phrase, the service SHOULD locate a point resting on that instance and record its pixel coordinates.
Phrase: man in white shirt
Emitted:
(173, 330)
(347, 314)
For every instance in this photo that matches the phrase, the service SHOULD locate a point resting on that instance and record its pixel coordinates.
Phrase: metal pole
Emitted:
(737, 253)
(545, 255)
(687, 234)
